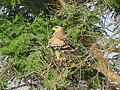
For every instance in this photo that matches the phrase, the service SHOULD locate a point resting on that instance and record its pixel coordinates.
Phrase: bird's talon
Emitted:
(57, 59)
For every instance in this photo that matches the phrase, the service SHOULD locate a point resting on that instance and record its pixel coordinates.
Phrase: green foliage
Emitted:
(9, 3)
(18, 45)
(115, 4)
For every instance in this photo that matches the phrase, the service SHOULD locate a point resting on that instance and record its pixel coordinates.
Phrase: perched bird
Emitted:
(59, 42)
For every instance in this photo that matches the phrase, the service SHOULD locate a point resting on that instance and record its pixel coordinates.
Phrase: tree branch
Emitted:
(101, 47)
(113, 49)
(102, 66)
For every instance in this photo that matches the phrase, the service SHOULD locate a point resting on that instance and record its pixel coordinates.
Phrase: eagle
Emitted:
(59, 42)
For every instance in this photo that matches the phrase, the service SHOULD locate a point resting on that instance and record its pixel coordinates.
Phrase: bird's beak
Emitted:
(53, 28)
(48, 46)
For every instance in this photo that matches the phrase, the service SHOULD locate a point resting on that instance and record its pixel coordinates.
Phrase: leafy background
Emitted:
(25, 27)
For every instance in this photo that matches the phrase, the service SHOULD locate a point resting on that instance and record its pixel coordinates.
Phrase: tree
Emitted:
(26, 27)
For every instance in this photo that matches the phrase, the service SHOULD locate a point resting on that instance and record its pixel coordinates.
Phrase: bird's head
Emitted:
(57, 28)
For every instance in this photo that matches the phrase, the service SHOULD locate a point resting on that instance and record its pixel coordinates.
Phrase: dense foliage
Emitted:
(24, 33)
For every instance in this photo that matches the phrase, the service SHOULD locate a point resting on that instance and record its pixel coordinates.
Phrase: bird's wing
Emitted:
(59, 41)
(68, 45)
(55, 42)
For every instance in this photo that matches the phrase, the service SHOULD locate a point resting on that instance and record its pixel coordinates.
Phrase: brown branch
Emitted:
(102, 47)
(102, 66)
(113, 49)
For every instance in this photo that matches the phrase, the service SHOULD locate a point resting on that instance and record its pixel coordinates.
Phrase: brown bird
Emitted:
(59, 42)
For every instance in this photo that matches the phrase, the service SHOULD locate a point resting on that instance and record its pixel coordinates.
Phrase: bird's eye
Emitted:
(56, 27)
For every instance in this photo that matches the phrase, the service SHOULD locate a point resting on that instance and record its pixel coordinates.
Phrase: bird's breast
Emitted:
(56, 42)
